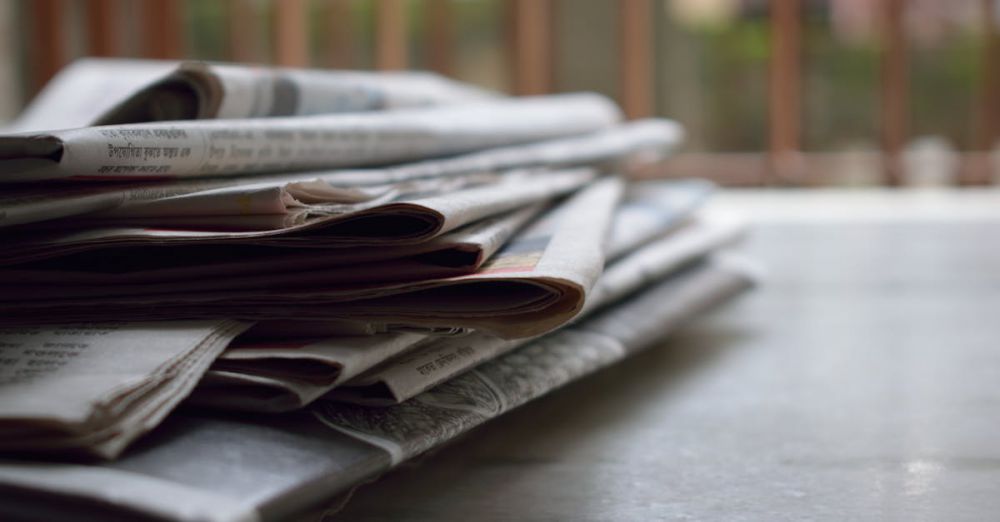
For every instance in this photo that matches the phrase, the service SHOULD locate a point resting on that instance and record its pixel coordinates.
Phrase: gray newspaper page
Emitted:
(263, 145)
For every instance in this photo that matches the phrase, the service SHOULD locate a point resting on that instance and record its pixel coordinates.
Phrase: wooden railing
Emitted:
(531, 58)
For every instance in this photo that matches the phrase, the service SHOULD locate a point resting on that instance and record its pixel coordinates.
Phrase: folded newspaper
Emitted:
(380, 261)
(266, 145)
(651, 207)
(462, 251)
(404, 215)
(200, 90)
(402, 378)
(93, 388)
(531, 286)
(105, 91)
(639, 141)
(652, 217)
(220, 469)
(84, 90)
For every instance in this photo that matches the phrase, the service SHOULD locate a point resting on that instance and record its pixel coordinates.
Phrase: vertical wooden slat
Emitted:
(291, 47)
(441, 36)
(894, 90)
(989, 127)
(635, 50)
(340, 34)
(242, 32)
(103, 31)
(47, 50)
(988, 114)
(162, 31)
(390, 34)
(785, 89)
(12, 82)
(531, 46)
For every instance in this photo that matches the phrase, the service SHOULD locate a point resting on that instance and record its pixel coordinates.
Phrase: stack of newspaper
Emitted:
(379, 262)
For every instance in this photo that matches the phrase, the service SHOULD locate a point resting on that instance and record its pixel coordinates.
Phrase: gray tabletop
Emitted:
(860, 381)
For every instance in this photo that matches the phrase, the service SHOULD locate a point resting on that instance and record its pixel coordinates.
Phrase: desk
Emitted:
(860, 381)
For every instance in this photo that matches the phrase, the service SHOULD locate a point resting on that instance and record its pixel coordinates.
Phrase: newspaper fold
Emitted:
(200, 90)
(650, 210)
(84, 90)
(404, 377)
(262, 145)
(94, 388)
(408, 429)
(260, 468)
(653, 208)
(633, 142)
(461, 251)
(535, 283)
(405, 214)
(292, 330)
(284, 376)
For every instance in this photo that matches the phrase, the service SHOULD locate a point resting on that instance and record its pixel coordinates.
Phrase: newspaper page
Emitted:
(84, 90)
(311, 363)
(253, 467)
(404, 377)
(461, 251)
(410, 428)
(261, 145)
(651, 209)
(286, 375)
(200, 90)
(276, 331)
(535, 283)
(654, 208)
(406, 215)
(286, 330)
(93, 388)
(644, 140)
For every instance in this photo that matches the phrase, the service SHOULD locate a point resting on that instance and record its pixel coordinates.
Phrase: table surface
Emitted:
(861, 380)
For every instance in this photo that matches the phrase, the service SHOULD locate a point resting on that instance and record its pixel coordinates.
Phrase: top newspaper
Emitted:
(107, 91)
(219, 147)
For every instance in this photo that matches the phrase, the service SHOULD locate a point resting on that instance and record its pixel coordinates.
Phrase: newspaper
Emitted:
(404, 214)
(535, 283)
(84, 90)
(107, 91)
(653, 208)
(404, 377)
(94, 388)
(290, 330)
(261, 145)
(254, 467)
(633, 142)
(461, 251)
(650, 210)
(287, 375)
(199, 90)
(408, 429)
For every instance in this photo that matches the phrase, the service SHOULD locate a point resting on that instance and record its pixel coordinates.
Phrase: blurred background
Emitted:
(771, 92)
